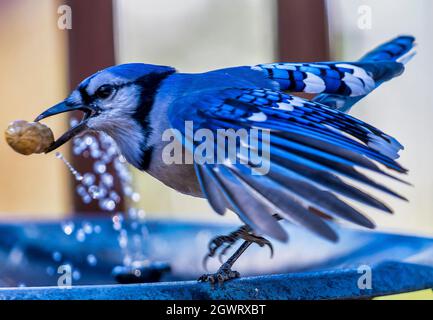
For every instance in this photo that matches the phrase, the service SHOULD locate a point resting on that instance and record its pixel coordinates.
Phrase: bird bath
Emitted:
(306, 268)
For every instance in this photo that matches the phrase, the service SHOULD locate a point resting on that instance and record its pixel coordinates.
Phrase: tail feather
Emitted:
(397, 52)
(391, 50)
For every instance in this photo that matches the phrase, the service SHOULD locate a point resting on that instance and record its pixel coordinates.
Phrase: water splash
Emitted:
(98, 185)
(74, 172)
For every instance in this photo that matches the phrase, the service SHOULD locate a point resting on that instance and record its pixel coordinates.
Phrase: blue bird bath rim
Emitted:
(305, 268)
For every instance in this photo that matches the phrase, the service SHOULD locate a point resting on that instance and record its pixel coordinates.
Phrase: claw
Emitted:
(264, 242)
(213, 247)
(221, 255)
(224, 251)
(204, 262)
(215, 244)
(223, 274)
(224, 243)
(260, 241)
(271, 248)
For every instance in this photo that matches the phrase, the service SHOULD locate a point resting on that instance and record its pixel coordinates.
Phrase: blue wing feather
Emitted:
(311, 146)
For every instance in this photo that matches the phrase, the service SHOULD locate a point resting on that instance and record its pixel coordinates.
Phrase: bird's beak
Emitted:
(66, 107)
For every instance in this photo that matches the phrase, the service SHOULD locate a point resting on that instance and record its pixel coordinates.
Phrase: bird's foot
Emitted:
(224, 243)
(223, 274)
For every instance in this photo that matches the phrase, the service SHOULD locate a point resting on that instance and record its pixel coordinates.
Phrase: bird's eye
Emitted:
(104, 91)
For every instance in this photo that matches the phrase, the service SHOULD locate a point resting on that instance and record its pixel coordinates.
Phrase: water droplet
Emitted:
(77, 141)
(135, 197)
(87, 199)
(106, 158)
(137, 273)
(107, 204)
(99, 167)
(91, 260)
(95, 154)
(132, 213)
(117, 218)
(114, 196)
(127, 260)
(16, 256)
(50, 271)
(88, 179)
(97, 229)
(68, 227)
(141, 214)
(76, 151)
(81, 235)
(127, 190)
(117, 221)
(81, 190)
(89, 140)
(73, 122)
(87, 227)
(123, 238)
(112, 150)
(94, 191)
(94, 146)
(57, 256)
(74, 172)
(76, 274)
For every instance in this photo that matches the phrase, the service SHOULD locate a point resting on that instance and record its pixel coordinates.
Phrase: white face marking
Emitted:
(101, 78)
(126, 132)
(116, 116)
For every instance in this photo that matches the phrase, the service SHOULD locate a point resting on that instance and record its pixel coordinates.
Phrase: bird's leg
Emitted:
(225, 272)
(225, 242)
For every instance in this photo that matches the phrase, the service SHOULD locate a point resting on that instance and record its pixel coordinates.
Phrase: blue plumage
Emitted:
(314, 148)
(396, 52)
(342, 84)
(286, 157)
(392, 50)
(312, 145)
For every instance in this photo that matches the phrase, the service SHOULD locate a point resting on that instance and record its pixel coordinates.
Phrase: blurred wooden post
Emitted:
(91, 48)
(302, 31)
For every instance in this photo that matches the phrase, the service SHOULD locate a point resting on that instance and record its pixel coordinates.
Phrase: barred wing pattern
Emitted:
(311, 148)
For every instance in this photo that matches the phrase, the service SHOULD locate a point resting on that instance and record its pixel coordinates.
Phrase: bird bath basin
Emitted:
(305, 268)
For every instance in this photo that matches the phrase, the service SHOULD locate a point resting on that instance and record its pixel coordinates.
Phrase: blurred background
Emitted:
(40, 61)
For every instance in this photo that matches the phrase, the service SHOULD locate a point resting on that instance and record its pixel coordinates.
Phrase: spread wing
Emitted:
(310, 147)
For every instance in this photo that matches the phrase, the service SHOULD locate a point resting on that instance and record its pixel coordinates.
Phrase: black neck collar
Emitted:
(150, 84)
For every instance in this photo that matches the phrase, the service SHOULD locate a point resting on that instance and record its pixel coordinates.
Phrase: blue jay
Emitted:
(313, 143)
